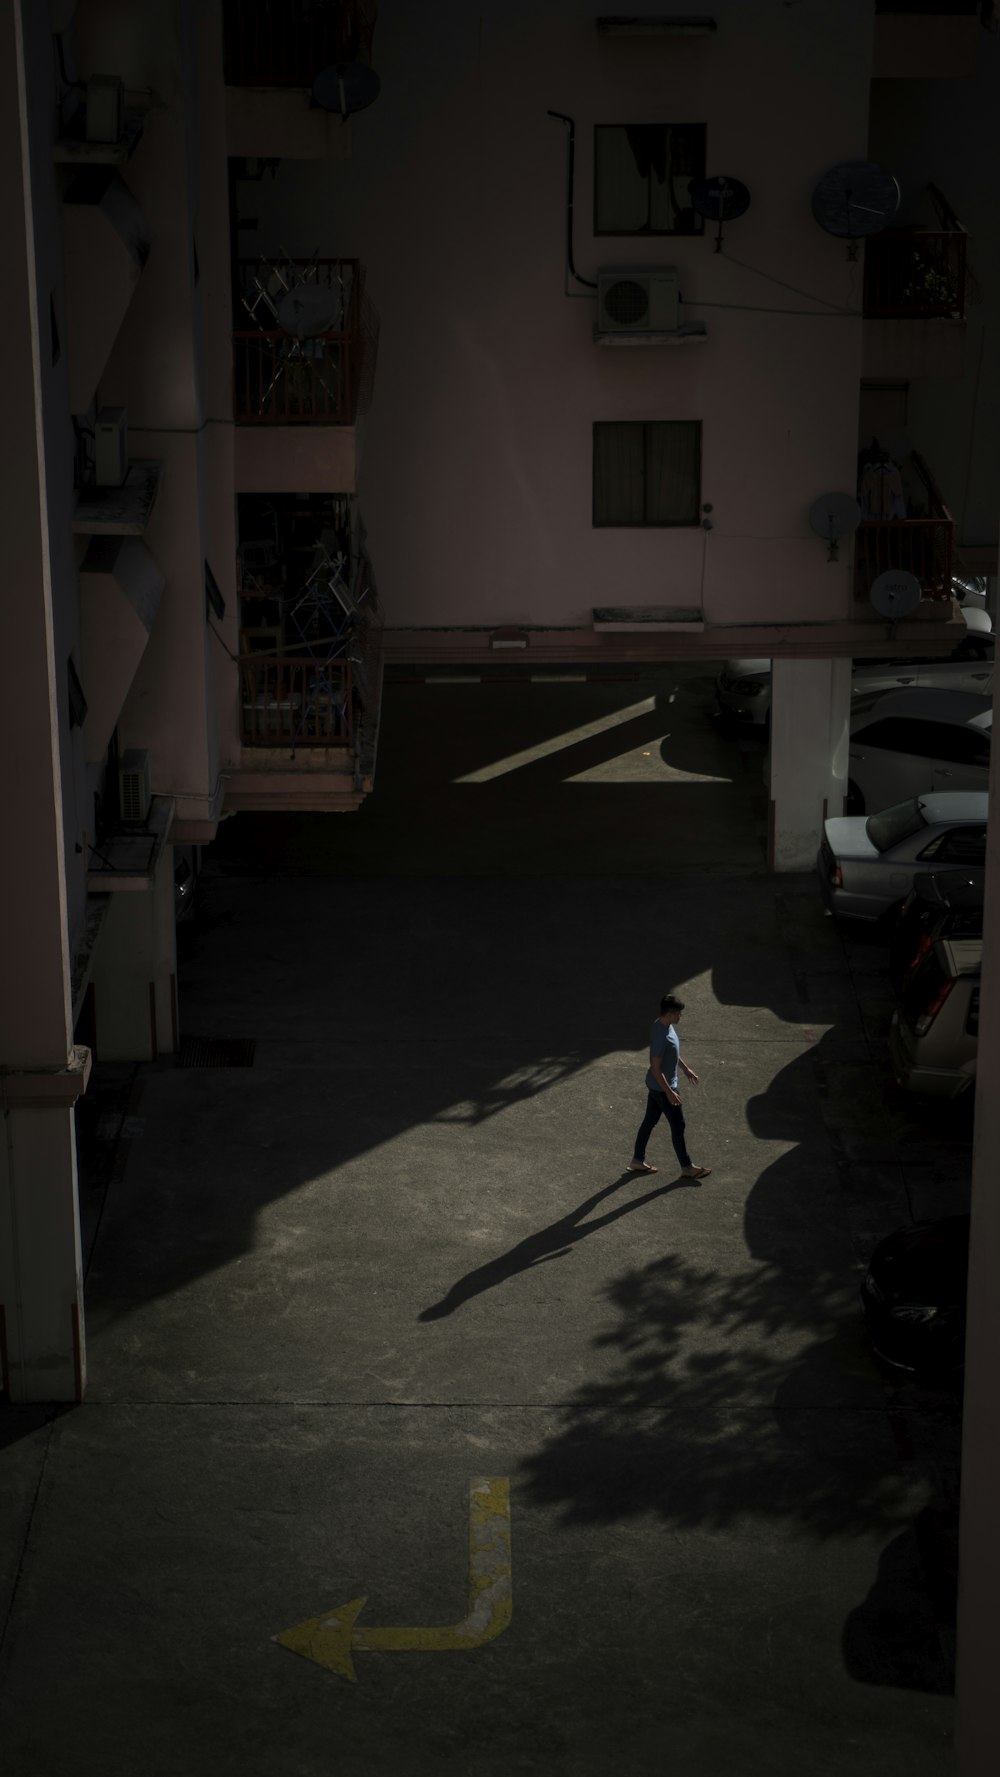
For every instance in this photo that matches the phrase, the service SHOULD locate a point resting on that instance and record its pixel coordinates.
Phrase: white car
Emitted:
(743, 687)
(908, 743)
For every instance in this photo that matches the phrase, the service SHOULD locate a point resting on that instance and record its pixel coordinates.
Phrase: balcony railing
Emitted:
(916, 274)
(297, 703)
(302, 700)
(287, 42)
(923, 546)
(281, 378)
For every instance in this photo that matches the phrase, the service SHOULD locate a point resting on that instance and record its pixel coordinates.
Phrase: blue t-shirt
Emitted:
(665, 1043)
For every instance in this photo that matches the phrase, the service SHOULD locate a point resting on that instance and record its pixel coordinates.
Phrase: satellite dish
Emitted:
(856, 198)
(833, 516)
(895, 594)
(309, 309)
(720, 199)
(346, 87)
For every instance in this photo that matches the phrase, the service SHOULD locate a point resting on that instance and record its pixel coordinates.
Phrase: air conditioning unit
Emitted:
(637, 300)
(110, 447)
(133, 787)
(104, 108)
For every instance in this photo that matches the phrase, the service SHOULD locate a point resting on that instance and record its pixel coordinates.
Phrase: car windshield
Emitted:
(895, 824)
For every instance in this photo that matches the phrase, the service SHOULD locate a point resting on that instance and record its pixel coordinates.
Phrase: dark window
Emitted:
(972, 1021)
(641, 177)
(77, 700)
(647, 473)
(895, 824)
(926, 740)
(54, 330)
(901, 734)
(962, 845)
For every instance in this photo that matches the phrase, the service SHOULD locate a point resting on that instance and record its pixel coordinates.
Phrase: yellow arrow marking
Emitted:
(329, 1639)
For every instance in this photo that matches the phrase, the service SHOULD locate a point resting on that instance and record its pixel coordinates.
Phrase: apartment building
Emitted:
(653, 294)
(192, 624)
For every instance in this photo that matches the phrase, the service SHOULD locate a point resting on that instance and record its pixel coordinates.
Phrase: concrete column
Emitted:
(810, 731)
(978, 1725)
(134, 971)
(41, 1073)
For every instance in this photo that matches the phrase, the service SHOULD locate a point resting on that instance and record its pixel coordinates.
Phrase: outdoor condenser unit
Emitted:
(110, 447)
(637, 300)
(133, 787)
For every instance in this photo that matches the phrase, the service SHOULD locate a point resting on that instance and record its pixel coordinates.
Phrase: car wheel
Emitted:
(855, 802)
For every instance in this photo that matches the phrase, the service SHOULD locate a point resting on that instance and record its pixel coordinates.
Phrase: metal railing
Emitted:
(916, 273)
(287, 42)
(296, 703)
(923, 546)
(280, 378)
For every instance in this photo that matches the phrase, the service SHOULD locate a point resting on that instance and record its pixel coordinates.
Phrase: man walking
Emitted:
(664, 1099)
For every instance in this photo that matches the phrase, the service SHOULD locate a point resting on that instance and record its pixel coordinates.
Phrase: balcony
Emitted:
(308, 357)
(310, 661)
(914, 299)
(923, 543)
(916, 274)
(286, 45)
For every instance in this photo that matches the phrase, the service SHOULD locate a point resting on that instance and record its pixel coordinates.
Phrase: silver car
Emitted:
(866, 863)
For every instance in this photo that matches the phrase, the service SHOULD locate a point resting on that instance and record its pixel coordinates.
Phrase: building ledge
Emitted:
(46, 1088)
(660, 26)
(861, 636)
(270, 787)
(690, 334)
(119, 511)
(641, 619)
(127, 861)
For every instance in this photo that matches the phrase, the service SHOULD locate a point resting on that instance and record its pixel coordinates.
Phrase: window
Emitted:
(641, 177)
(895, 824)
(921, 739)
(963, 845)
(647, 472)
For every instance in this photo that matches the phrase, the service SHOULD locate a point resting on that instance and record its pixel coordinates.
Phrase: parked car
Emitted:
(914, 1293)
(867, 863)
(934, 1034)
(743, 691)
(907, 742)
(941, 904)
(743, 687)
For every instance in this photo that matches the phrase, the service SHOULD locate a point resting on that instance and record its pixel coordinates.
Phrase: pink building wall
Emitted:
(476, 484)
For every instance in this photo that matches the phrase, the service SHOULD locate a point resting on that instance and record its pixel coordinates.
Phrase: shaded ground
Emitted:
(401, 1251)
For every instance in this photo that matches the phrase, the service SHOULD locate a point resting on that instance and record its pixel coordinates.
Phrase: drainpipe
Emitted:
(562, 118)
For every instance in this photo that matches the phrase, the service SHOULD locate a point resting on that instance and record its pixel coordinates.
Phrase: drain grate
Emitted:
(217, 1051)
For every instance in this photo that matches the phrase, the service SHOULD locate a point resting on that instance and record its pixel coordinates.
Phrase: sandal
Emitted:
(639, 1166)
(696, 1171)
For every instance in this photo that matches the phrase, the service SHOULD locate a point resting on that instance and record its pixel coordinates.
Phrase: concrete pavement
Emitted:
(400, 1252)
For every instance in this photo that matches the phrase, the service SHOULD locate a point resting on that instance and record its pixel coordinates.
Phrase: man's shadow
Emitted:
(553, 1242)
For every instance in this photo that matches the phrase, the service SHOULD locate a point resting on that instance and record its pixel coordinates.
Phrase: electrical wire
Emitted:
(771, 279)
(753, 308)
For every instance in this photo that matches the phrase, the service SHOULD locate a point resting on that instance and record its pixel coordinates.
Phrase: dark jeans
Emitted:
(658, 1105)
